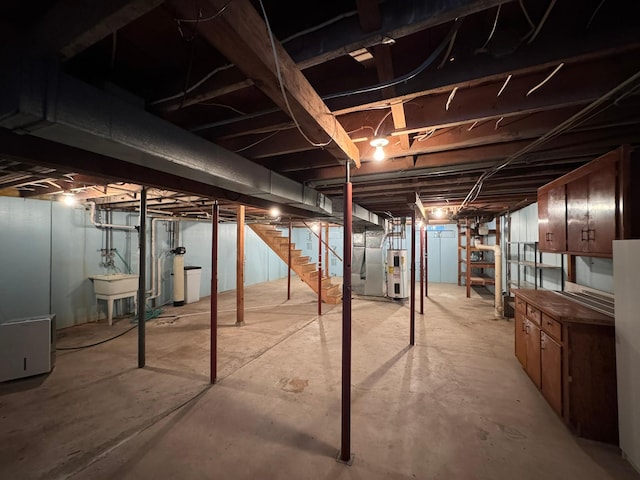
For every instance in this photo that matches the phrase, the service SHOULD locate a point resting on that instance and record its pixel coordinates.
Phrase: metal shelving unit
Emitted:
(528, 260)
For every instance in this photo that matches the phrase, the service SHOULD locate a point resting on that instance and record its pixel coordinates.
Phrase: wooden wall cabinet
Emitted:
(552, 219)
(591, 211)
(582, 212)
(568, 352)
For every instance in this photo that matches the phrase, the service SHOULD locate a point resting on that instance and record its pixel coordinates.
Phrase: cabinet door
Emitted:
(551, 371)
(552, 219)
(543, 219)
(520, 340)
(533, 351)
(578, 215)
(602, 210)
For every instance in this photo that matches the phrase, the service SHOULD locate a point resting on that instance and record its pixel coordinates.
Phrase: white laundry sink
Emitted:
(114, 287)
(114, 284)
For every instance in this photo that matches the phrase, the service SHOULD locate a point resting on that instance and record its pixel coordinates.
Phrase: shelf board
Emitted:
(482, 264)
(528, 263)
(475, 280)
(538, 265)
(522, 285)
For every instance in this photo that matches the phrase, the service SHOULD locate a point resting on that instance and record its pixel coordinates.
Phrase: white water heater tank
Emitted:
(397, 274)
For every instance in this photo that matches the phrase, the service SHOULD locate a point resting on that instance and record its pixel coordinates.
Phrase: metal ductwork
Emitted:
(40, 100)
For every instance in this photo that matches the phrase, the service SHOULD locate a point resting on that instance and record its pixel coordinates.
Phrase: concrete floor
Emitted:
(455, 406)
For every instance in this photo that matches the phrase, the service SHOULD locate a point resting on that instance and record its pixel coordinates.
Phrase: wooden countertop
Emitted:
(561, 308)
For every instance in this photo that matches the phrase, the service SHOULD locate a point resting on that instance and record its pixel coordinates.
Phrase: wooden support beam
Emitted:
(243, 37)
(240, 268)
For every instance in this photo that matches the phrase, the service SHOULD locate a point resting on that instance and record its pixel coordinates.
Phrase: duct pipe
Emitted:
(498, 272)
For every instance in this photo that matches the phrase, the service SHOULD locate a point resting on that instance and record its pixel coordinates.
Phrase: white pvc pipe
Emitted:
(498, 276)
(107, 225)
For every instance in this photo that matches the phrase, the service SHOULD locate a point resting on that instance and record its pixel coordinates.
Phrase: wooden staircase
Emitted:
(307, 271)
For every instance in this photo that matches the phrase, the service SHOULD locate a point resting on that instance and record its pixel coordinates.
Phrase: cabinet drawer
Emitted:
(533, 314)
(521, 306)
(552, 327)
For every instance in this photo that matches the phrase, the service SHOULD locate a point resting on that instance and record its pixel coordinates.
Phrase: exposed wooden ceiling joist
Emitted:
(242, 36)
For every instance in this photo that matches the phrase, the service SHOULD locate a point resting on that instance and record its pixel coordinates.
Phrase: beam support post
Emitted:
(142, 277)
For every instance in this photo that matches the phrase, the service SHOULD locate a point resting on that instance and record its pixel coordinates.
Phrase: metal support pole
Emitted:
(214, 292)
(426, 264)
(320, 269)
(142, 277)
(289, 266)
(412, 336)
(421, 269)
(326, 249)
(344, 455)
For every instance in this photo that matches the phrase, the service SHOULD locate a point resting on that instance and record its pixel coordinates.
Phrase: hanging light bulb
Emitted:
(68, 199)
(379, 143)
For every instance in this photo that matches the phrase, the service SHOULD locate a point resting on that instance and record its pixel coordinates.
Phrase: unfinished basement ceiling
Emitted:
(481, 101)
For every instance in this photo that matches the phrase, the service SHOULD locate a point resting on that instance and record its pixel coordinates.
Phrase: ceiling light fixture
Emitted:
(274, 212)
(379, 143)
(68, 199)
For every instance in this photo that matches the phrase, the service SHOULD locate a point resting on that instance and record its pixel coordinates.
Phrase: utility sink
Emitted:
(113, 287)
(114, 284)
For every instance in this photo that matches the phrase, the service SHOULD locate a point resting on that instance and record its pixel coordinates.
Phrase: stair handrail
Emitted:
(323, 242)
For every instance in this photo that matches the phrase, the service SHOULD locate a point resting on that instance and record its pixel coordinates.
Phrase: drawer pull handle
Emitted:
(549, 323)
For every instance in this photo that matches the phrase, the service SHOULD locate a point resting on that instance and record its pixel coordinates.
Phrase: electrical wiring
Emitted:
(545, 80)
(408, 76)
(595, 12)
(450, 99)
(192, 87)
(375, 132)
(493, 29)
(379, 86)
(227, 67)
(588, 112)
(448, 52)
(542, 21)
(282, 89)
(207, 19)
(504, 85)
(272, 134)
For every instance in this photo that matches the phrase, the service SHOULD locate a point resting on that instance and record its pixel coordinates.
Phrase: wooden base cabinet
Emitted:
(568, 352)
(551, 371)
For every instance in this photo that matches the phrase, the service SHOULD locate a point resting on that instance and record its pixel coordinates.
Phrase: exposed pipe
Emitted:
(106, 225)
(498, 275)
